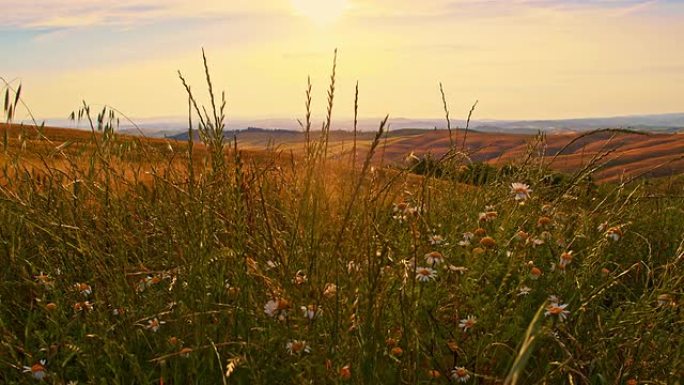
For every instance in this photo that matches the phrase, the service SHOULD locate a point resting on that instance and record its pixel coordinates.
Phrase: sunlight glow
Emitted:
(321, 12)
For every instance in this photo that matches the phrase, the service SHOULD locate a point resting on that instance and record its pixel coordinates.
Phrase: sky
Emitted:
(522, 59)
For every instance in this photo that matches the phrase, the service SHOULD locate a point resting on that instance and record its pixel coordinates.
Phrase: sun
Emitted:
(321, 12)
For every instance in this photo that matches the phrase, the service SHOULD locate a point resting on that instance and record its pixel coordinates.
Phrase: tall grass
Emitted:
(133, 261)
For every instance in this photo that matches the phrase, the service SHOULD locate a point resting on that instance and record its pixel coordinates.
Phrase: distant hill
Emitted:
(652, 153)
(666, 123)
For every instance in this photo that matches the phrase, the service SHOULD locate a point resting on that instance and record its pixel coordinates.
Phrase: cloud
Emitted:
(48, 14)
(493, 8)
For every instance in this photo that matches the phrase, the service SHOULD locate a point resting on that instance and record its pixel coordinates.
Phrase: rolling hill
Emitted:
(624, 154)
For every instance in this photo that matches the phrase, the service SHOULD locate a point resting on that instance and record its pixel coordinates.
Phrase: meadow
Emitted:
(127, 260)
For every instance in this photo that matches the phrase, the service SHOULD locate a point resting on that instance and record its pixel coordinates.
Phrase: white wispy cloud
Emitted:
(49, 14)
(54, 14)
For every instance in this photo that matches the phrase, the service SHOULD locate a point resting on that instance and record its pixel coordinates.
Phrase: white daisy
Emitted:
(44, 279)
(524, 291)
(425, 274)
(330, 290)
(277, 308)
(460, 374)
(565, 259)
(467, 323)
(557, 309)
(436, 239)
(154, 324)
(487, 216)
(434, 258)
(37, 370)
(521, 191)
(300, 278)
(614, 234)
(297, 347)
(84, 288)
(467, 237)
(311, 311)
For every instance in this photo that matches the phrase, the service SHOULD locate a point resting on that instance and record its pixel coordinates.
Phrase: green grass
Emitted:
(203, 246)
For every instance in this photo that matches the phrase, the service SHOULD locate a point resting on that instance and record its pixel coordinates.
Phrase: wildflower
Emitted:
(148, 282)
(535, 272)
(402, 211)
(524, 291)
(632, 381)
(553, 299)
(81, 306)
(605, 271)
(330, 290)
(467, 323)
(488, 216)
(480, 232)
(271, 264)
(311, 311)
(173, 340)
(434, 258)
(614, 234)
(397, 351)
(154, 324)
(425, 274)
(478, 251)
(345, 372)
(488, 242)
(543, 221)
(467, 237)
(233, 291)
(277, 308)
(521, 191)
(433, 373)
(118, 311)
(185, 352)
(565, 259)
(521, 235)
(391, 342)
(37, 370)
(300, 278)
(537, 242)
(400, 207)
(51, 306)
(460, 374)
(84, 288)
(436, 239)
(557, 309)
(297, 347)
(43, 279)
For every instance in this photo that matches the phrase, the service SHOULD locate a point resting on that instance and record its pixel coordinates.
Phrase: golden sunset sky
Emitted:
(521, 59)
